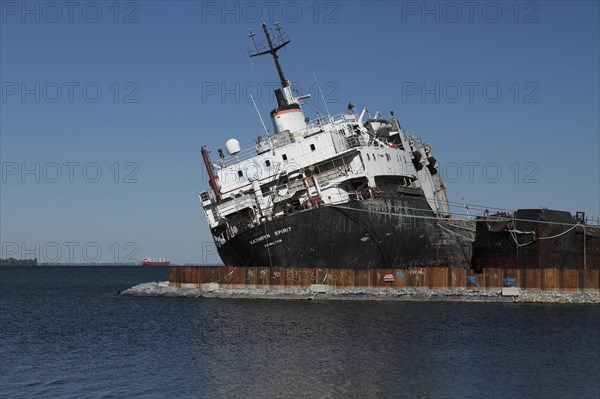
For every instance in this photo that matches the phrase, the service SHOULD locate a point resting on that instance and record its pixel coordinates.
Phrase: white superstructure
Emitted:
(305, 164)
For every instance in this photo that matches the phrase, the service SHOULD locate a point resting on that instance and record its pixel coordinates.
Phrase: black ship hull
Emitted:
(401, 232)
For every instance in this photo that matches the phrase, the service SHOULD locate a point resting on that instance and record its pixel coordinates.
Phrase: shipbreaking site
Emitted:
(352, 206)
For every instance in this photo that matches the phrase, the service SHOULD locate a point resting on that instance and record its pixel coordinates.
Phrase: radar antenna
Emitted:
(274, 44)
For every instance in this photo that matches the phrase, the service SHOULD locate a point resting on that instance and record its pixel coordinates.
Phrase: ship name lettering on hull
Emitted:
(268, 236)
(259, 239)
(283, 231)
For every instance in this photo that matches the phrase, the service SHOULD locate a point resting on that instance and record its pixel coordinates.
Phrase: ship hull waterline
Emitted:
(349, 236)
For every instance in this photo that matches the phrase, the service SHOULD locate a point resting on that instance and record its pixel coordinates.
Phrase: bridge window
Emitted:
(268, 163)
(368, 157)
(284, 157)
(312, 147)
(388, 157)
(240, 174)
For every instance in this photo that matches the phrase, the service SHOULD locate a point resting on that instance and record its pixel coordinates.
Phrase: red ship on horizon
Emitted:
(154, 262)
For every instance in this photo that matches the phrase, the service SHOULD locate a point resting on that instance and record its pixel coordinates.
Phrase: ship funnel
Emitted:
(233, 146)
(289, 117)
(281, 102)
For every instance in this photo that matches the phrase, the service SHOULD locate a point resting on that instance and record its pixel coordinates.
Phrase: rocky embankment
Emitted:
(163, 289)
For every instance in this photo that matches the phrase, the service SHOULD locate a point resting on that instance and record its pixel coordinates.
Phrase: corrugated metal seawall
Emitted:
(436, 277)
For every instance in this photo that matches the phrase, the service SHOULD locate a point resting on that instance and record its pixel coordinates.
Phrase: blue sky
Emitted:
(507, 94)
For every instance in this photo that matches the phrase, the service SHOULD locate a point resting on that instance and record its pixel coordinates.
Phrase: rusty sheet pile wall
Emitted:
(280, 277)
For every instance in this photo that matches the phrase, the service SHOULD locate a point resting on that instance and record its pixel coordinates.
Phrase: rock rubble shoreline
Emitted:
(163, 289)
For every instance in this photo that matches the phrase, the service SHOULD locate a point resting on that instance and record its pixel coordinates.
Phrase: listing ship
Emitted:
(536, 238)
(154, 262)
(346, 191)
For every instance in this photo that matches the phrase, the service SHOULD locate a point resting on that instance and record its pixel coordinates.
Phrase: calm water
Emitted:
(65, 333)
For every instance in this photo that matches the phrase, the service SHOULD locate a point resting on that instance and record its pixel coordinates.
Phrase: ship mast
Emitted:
(280, 41)
(288, 115)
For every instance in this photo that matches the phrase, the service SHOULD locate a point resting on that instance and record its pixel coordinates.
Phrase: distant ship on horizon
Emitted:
(154, 262)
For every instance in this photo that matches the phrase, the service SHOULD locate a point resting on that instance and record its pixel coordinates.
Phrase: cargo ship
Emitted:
(154, 262)
(536, 238)
(350, 191)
